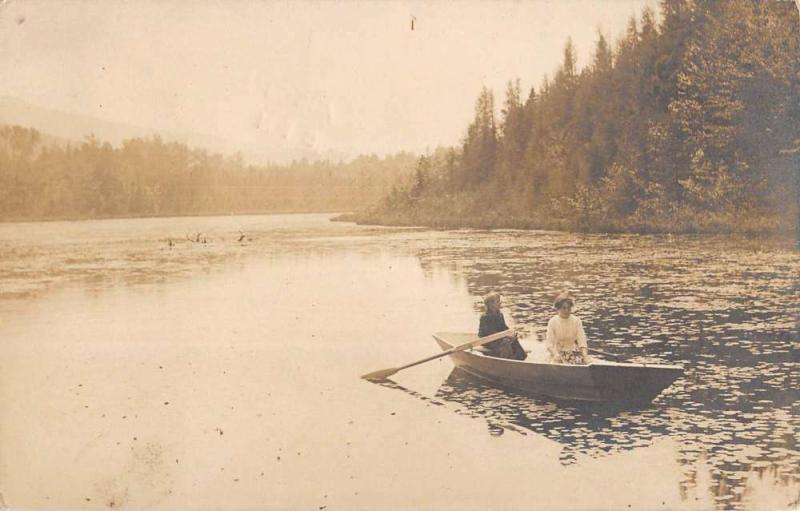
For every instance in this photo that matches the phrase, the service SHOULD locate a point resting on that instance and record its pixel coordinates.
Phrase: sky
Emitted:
(307, 76)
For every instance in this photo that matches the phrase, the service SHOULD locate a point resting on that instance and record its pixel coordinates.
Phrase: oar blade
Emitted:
(379, 375)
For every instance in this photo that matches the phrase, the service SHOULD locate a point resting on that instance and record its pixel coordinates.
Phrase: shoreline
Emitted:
(786, 234)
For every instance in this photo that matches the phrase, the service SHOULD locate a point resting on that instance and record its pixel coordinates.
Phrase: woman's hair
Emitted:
(563, 297)
(490, 298)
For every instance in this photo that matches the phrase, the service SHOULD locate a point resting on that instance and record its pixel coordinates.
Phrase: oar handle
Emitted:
(385, 373)
(461, 347)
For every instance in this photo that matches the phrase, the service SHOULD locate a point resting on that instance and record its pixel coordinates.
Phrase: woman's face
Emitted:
(566, 309)
(494, 305)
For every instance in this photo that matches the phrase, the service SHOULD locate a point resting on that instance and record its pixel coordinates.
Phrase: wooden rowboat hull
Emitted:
(599, 381)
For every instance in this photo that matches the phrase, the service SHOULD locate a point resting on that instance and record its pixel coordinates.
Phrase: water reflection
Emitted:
(725, 309)
(728, 466)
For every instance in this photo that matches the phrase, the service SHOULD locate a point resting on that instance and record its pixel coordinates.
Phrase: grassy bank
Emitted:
(679, 222)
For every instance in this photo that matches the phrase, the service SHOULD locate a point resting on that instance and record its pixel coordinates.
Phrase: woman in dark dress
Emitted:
(493, 321)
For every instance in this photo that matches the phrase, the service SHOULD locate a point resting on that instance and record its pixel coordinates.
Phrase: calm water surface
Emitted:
(139, 368)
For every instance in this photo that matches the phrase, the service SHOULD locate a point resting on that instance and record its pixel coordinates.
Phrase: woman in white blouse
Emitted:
(566, 340)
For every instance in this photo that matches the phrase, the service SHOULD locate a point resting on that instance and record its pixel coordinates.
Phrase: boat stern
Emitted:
(633, 382)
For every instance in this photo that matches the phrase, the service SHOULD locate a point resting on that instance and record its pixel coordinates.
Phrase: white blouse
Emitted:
(565, 335)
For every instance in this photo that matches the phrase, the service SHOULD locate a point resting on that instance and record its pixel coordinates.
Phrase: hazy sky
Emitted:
(350, 77)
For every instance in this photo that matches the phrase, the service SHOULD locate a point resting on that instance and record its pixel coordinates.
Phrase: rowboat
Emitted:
(598, 381)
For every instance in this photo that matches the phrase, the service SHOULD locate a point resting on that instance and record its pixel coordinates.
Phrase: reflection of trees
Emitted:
(731, 454)
(717, 465)
(583, 429)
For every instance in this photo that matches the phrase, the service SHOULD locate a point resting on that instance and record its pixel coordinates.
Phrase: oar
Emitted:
(385, 373)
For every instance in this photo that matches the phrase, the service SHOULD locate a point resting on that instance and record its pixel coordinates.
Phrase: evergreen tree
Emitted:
(514, 134)
(480, 145)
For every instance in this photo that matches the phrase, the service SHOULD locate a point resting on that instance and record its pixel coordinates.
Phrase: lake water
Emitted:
(142, 368)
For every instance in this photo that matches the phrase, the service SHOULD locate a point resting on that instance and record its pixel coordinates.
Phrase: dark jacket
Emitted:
(507, 347)
(491, 323)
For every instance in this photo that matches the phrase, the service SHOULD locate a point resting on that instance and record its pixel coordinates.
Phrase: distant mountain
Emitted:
(76, 127)
(72, 127)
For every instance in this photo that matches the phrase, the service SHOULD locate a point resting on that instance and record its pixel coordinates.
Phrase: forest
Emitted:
(44, 178)
(690, 122)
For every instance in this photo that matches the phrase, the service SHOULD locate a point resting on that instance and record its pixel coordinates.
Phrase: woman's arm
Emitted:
(508, 325)
(550, 339)
(582, 344)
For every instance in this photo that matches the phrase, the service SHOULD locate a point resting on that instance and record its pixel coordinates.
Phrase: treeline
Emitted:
(41, 179)
(688, 124)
